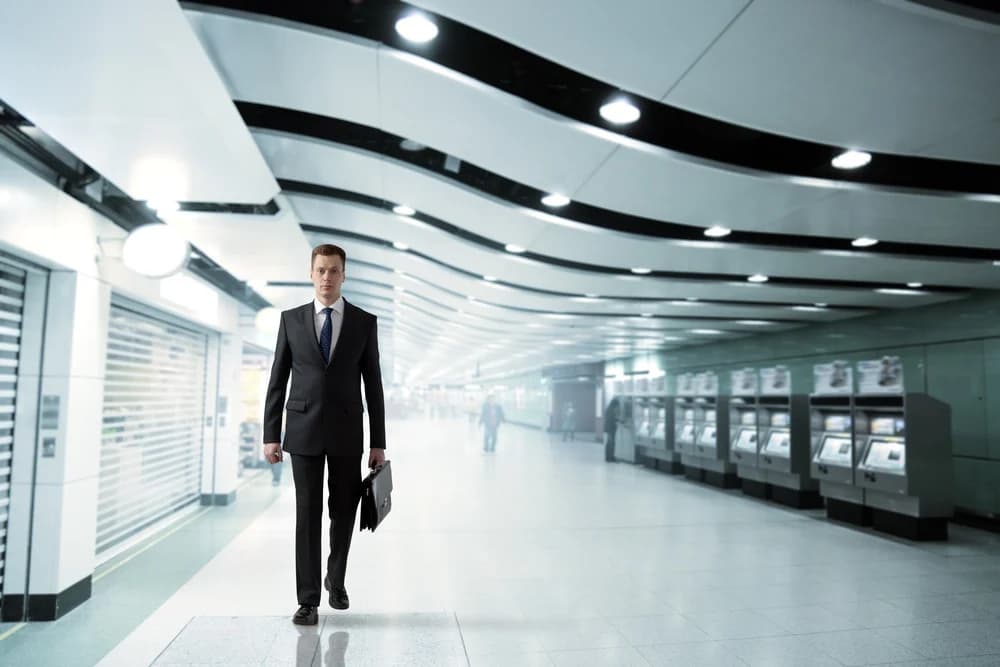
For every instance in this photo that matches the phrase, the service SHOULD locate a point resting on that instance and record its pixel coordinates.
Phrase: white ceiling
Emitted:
(886, 76)
(127, 87)
(844, 73)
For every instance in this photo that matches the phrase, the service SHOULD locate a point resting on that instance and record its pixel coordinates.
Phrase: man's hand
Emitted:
(272, 452)
(376, 458)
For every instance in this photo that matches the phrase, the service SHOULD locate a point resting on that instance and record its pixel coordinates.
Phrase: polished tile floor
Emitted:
(541, 554)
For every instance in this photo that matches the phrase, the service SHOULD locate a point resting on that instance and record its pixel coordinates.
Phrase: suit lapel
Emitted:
(309, 322)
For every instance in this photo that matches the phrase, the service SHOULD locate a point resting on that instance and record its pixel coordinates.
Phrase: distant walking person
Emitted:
(490, 418)
(569, 422)
(610, 426)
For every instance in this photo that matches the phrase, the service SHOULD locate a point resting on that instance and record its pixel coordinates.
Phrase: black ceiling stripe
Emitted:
(572, 94)
(381, 143)
(826, 283)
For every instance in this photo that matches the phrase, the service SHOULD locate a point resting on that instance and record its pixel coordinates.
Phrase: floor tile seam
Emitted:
(461, 635)
(168, 644)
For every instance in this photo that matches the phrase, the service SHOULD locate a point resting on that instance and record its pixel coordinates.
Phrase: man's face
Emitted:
(327, 277)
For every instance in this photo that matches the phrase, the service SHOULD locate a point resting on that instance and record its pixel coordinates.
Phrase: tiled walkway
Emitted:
(541, 554)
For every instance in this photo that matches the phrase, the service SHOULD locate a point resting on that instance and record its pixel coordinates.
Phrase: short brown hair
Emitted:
(328, 249)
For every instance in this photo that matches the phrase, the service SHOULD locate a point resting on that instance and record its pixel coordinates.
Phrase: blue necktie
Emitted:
(326, 335)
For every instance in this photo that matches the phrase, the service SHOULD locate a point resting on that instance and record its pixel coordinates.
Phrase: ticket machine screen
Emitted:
(748, 417)
(746, 440)
(689, 415)
(887, 455)
(710, 415)
(887, 426)
(687, 433)
(836, 450)
(707, 436)
(777, 443)
(779, 419)
(840, 423)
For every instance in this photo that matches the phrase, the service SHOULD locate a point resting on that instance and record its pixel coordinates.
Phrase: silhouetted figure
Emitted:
(569, 422)
(490, 418)
(610, 426)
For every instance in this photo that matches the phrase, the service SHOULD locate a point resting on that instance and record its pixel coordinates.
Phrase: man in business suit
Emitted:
(328, 346)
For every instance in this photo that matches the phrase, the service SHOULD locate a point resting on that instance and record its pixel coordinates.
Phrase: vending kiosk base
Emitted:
(919, 529)
(722, 480)
(694, 473)
(755, 488)
(659, 459)
(800, 499)
(847, 512)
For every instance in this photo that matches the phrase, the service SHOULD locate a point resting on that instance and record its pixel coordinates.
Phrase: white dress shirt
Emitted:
(336, 321)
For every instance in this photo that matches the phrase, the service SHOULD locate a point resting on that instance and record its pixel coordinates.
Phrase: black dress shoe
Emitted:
(306, 615)
(338, 596)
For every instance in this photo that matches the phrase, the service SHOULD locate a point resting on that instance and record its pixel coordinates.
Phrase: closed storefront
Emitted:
(153, 423)
(12, 288)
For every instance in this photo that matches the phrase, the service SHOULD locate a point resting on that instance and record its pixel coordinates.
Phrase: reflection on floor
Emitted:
(541, 554)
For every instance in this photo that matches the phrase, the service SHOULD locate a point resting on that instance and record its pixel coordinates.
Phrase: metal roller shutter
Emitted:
(12, 282)
(154, 401)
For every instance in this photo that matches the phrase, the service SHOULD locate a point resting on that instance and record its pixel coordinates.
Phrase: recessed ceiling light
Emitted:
(399, 289)
(820, 305)
(754, 323)
(417, 28)
(562, 342)
(718, 231)
(903, 292)
(996, 262)
(490, 279)
(411, 145)
(402, 209)
(555, 200)
(646, 314)
(851, 159)
(591, 295)
(399, 271)
(516, 249)
(399, 245)
(620, 112)
(807, 309)
(707, 332)
(641, 270)
(914, 285)
(672, 338)
(758, 278)
(864, 242)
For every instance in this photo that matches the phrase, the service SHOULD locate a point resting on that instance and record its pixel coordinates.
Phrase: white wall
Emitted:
(82, 251)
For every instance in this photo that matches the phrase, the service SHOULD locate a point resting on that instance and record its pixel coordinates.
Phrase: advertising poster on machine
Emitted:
(836, 377)
(707, 384)
(743, 382)
(880, 376)
(775, 381)
(685, 384)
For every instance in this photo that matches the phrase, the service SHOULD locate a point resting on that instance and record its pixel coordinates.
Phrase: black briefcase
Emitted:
(376, 498)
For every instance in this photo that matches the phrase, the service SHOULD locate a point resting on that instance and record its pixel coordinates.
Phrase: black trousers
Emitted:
(345, 492)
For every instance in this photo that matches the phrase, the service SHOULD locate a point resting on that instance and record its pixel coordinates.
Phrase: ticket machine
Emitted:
(743, 436)
(904, 453)
(657, 441)
(831, 424)
(709, 457)
(785, 450)
(642, 419)
(687, 411)
(625, 433)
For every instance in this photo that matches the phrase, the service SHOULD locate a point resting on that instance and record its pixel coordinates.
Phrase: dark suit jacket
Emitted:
(324, 409)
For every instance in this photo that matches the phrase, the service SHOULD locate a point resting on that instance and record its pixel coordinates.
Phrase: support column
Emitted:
(64, 470)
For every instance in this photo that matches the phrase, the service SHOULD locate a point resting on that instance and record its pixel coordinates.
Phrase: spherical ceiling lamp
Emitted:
(155, 250)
